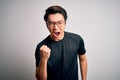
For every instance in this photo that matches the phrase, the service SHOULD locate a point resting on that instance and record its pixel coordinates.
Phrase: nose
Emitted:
(56, 26)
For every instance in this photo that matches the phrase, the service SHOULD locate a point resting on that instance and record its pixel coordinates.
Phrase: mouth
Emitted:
(56, 34)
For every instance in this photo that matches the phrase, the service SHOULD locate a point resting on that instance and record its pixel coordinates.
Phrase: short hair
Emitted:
(53, 10)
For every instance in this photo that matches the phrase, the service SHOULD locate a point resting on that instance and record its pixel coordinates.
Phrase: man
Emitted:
(56, 55)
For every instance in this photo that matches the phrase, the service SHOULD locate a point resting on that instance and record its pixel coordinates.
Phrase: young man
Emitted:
(56, 55)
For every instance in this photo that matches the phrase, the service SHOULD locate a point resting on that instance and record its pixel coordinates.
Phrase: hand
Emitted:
(44, 53)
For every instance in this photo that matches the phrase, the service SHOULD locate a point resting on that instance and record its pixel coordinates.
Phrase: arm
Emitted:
(83, 66)
(41, 70)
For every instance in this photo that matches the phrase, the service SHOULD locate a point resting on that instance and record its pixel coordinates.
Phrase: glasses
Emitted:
(58, 23)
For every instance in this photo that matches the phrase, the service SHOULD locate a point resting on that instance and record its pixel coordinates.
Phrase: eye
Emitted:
(50, 23)
(60, 22)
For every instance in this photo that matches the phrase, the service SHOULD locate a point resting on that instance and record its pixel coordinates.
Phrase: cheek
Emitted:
(63, 28)
(50, 29)
(64, 25)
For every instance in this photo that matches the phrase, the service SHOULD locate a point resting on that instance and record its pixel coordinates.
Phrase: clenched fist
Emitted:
(44, 53)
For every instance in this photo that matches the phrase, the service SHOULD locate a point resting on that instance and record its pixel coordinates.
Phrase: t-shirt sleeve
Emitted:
(82, 49)
(37, 55)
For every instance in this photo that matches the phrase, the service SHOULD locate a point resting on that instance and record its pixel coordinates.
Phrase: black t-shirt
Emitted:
(62, 64)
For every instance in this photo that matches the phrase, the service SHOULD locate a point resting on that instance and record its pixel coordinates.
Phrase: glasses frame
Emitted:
(58, 23)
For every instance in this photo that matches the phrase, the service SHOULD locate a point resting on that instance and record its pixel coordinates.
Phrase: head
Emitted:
(55, 18)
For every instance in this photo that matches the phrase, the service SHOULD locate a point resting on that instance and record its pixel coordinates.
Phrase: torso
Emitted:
(62, 64)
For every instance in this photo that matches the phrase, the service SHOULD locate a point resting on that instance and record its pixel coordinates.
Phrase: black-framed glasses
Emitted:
(58, 23)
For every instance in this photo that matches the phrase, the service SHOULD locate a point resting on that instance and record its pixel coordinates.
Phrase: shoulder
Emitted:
(43, 42)
(73, 36)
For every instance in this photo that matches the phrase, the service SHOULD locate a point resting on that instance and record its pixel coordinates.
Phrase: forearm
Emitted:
(42, 71)
(83, 70)
(83, 67)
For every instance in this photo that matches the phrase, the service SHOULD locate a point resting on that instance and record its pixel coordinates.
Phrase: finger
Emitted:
(42, 47)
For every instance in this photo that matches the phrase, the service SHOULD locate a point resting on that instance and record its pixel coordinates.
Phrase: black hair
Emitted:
(53, 10)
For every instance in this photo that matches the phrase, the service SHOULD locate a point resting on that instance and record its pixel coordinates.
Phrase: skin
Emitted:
(52, 29)
(83, 66)
(57, 34)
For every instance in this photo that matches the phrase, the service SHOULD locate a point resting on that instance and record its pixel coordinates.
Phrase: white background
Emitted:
(22, 27)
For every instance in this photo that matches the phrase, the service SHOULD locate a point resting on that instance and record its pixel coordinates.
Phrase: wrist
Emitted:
(43, 60)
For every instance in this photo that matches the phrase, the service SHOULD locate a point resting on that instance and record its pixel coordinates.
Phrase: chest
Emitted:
(65, 51)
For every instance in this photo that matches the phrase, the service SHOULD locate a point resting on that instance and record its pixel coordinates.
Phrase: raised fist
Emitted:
(44, 52)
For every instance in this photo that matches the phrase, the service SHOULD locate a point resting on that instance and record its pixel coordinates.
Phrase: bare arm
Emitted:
(83, 66)
(41, 71)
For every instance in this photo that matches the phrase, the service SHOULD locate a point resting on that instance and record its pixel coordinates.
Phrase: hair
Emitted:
(53, 10)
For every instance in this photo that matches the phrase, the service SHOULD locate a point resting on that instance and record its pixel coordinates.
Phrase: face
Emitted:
(56, 25)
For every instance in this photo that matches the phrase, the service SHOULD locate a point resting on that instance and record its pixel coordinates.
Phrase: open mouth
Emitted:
(56, 34)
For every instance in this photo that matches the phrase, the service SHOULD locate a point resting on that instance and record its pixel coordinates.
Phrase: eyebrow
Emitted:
(56, 21)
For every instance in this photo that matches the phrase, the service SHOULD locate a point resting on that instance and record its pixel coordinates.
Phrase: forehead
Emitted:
(56, 17)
